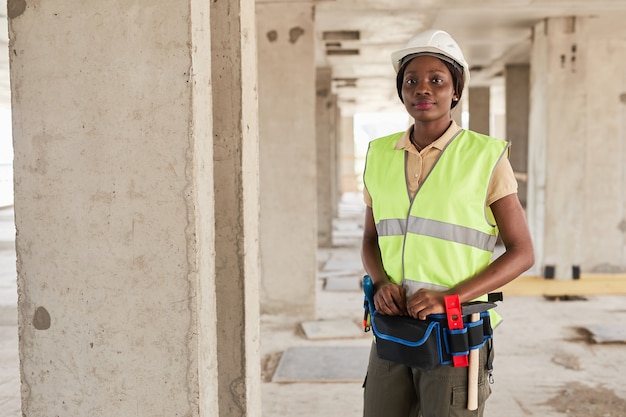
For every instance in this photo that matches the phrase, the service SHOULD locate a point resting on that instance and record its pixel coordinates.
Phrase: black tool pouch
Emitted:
(414, 343)
(426, 344)
(423, 344)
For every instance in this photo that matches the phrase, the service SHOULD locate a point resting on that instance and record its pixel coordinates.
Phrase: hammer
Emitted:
(474, 309)
(472, 373)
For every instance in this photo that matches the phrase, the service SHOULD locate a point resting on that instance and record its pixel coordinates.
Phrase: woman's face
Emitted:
(427, 89)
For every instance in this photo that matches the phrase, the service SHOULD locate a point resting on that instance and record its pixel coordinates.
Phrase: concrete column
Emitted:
(517, 85)
(478, 107)
(113, 207)
(236, 173)
(349, 180)
(287, 157)
(577, 175)
(324, 118)
(336, 171)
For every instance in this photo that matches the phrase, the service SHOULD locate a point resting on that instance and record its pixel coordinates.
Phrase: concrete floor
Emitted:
(546, 365)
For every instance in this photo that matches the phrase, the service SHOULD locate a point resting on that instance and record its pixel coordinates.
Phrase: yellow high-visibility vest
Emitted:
(446, 233)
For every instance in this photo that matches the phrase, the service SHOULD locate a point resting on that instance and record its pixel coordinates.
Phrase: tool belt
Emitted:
(426, 344)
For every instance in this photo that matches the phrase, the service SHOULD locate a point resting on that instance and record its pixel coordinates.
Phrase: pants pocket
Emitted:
(459, 399)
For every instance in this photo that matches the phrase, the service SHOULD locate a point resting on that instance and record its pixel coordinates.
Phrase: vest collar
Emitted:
(404, 143)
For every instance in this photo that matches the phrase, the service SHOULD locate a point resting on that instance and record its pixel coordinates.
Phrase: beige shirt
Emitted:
(419, 164)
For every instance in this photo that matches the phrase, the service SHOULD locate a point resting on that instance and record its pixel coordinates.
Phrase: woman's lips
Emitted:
(423, 105)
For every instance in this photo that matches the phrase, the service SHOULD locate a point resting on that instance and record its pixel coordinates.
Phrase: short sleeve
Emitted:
(367, 198)
(502, 182)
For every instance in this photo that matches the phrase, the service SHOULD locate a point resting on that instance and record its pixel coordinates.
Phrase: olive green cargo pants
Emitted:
(395, 390)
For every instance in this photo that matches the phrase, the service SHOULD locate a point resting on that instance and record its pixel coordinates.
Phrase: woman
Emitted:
(436, 196)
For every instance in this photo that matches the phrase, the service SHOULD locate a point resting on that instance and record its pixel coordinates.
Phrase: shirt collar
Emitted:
(404, 143)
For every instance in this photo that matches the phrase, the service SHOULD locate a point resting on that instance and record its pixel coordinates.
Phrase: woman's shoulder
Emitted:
(466, 133)
(384, 141)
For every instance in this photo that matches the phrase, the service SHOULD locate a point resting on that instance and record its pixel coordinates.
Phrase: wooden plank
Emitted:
(588, 284)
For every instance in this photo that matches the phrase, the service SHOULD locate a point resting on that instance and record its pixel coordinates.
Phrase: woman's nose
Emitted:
(422, 87)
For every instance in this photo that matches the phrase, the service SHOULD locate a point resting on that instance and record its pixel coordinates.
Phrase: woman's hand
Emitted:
(425, 302)
(390, 300)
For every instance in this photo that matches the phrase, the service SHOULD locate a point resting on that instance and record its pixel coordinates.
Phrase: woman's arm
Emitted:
(389, 298)
(517, 258)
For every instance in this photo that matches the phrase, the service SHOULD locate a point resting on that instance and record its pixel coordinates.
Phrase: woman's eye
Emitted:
(437, 80)
(410, 81)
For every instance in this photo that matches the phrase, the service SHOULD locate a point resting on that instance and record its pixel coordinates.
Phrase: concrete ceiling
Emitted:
(490, 32)
(356, 37)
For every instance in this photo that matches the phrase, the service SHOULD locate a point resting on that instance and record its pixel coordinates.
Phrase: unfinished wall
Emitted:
(577, 188)
(113, 205)
(288, 182)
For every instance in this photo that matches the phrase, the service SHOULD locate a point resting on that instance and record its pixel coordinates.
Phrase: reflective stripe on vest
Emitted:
(441, 230)
(445, 234)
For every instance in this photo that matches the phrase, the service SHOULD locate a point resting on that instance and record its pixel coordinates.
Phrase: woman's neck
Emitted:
(426, 133)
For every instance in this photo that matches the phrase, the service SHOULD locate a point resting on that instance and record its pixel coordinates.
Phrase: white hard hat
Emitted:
(432, 42)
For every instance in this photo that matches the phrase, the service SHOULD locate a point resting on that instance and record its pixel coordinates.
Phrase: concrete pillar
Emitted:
(517, 85)
(336, 163)
(577, 175)
(497, 111)
(287, 157)
(478, 107)
(349, 179)
(236, 173)
(325, 135)
(113, 207)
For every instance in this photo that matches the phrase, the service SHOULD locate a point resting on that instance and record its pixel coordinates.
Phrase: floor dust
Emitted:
(578, 400)
(269, 363)
(567, 361)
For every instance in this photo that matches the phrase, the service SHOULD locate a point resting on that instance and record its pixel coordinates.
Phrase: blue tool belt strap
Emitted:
(425, 344)
(472, 336)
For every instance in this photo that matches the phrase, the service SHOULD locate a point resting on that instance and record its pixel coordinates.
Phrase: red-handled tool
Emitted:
(454, 313)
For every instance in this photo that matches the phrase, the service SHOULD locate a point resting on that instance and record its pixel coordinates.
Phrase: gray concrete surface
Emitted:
(9, 359)
(546, 364)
